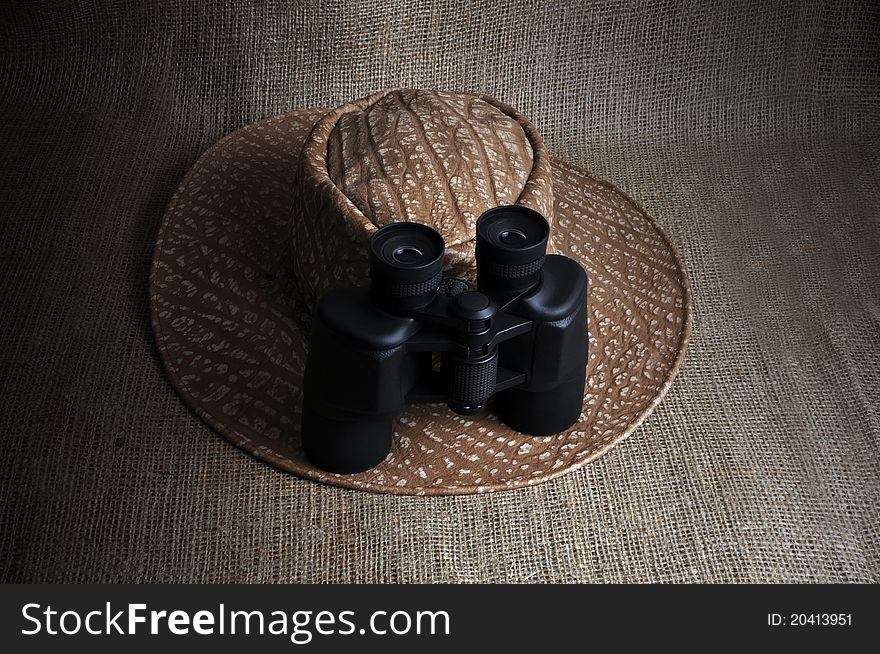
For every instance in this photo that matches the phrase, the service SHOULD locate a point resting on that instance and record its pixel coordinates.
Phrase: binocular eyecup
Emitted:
(406, 259)
(511, 248)
(406, 265)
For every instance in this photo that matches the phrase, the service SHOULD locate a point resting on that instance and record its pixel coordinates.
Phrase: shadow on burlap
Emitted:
(749, 132)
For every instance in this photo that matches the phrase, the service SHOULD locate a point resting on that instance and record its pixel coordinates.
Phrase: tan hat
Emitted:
(281, 210)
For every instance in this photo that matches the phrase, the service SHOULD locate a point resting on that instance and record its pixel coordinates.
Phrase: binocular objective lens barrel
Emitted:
(511, 247)
(406, 265)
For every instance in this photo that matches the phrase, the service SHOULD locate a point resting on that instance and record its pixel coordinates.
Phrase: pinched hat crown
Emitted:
(430, 157)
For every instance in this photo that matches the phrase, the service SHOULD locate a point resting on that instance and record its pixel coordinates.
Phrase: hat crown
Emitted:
(435, 158)
(431, 157)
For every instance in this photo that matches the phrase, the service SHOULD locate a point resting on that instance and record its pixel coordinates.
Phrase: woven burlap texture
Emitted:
(748, 130)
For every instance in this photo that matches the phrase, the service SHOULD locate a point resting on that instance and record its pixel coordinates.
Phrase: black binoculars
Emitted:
(520, 339)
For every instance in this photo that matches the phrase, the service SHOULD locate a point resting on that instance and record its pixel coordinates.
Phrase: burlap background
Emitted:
(749, 130)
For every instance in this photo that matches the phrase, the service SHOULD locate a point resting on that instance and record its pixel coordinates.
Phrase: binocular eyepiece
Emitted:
(511, 247)
(406, 259)
(406, 265)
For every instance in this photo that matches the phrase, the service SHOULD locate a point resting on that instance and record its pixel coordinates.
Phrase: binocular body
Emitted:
(519, 340)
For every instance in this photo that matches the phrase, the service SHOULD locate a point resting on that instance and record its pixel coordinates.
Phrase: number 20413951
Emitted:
(809, 620)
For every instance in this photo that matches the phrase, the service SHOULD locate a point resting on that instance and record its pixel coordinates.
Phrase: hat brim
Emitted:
(232, 345)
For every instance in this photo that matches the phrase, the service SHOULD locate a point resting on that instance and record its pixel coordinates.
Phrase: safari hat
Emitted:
(281, 210)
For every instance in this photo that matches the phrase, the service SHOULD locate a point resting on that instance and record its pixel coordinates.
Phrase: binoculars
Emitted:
(518, 340)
